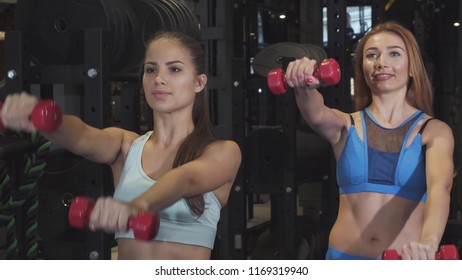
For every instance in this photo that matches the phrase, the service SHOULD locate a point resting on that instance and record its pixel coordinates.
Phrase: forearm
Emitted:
(168, 189)
(98, 145)
(214, 170)
(327, 122)
(435, 218)
(439, 143)
(68, 134)
(311, 105)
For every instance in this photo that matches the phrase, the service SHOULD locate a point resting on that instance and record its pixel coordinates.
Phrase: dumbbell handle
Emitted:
(328, 73)
(446, 252)
(46, 116)
(145, 225)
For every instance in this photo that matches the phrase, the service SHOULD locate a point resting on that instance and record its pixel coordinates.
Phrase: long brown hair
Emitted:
(419, 89)
(202, 135)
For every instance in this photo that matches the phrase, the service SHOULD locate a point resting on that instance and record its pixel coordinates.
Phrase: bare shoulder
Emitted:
(345, 117)
(122, 135)
(224, 147)
(355, 115)
(437, 131)
(224, 153)
(122, 140)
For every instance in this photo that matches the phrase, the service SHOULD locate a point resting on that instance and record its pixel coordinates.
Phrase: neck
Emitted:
(391, 115)
(171, 131)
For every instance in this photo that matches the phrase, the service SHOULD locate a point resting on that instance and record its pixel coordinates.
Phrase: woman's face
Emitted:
(386, 63)
(170, 81)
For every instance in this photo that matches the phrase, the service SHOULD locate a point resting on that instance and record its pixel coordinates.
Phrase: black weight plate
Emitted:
(145, 21)
(176, 13)
(191, 26)
(53, 33)
(135, 45)
(119, 26)
(271, 57)
(158, 20)
(166, 10)
(318, 53)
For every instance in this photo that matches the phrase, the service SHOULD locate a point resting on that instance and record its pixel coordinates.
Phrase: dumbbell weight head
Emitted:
(328, 72)
(145, 225)
(447, 252)
(276, 82)
(390, 255)
(80, 211)
(47, 116)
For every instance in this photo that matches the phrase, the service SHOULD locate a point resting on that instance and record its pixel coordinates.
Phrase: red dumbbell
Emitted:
(328, 73)
(46, 116)
(145, 225)
(446, 252)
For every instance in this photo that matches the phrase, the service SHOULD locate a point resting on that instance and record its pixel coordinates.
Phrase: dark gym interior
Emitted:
(284, 200)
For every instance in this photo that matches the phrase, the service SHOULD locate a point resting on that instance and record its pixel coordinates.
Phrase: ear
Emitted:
(201, 82)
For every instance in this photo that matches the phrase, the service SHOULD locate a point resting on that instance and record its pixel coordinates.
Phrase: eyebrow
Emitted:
(167, 63)
(388, 48)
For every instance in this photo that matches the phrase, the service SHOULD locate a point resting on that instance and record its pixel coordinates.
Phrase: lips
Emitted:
(160, 93)
(381, 76)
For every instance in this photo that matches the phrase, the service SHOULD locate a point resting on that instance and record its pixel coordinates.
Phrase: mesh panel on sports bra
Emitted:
(384, 146)
(387, 139)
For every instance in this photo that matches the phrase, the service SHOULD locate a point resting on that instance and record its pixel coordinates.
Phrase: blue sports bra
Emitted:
(362, 168)
(177, 223)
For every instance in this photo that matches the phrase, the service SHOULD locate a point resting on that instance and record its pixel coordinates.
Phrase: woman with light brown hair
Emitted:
(394, 160)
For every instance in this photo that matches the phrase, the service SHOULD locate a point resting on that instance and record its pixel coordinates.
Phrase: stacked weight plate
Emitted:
(153, 16)
(272, 56)
(55, 28)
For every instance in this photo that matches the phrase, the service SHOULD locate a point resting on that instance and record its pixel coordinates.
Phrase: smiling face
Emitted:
(170, 81)
(386, 63)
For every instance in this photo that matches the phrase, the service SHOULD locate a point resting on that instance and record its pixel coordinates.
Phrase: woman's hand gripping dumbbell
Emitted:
(446, 252)
(46, 116)
(328, 73)
(145, 225)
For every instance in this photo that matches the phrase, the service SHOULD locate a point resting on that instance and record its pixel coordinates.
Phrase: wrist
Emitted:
(308, 90)
(139, 205)
(431, 241)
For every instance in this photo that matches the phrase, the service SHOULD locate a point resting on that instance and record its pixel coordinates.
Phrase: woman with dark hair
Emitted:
(394, 160)
(178, 170)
